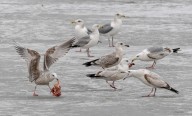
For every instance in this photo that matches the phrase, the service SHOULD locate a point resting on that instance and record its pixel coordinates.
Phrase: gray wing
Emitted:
(54, 53)
(83, 41)
(108, 60)
(32, 58)
(105, 28)
(153, 80)
(155, 49)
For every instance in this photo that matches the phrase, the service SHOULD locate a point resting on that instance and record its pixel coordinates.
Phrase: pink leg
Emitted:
(148, 94)
(88, 53)
(152, 66)
(111, 85)
(154, 92)
(112, 42)
(79, 50)
(34, 94)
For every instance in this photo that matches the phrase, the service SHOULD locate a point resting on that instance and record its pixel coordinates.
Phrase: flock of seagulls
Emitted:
(114, 65)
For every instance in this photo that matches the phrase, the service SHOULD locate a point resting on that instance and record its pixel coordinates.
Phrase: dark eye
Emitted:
(137, 56)
(121, 43)
(117, 14)
(128, 71)
(78, 21)
(127, 61)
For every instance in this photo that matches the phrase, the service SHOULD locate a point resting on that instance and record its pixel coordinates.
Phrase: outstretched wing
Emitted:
(32, 58)
(105, 28)
(54, 53)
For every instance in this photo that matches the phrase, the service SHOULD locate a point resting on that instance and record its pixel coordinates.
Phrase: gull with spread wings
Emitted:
(32, 57)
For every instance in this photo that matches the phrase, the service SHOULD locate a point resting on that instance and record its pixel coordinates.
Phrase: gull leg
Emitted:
(152, 66)
(114, 85)
(112, 42)
(148, 94)
(79, 50)
(34, 94)
(154, 92)
(109, 42)
(111, 85)
(88, 53)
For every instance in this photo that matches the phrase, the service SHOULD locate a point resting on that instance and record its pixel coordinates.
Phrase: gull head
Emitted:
(96, 26)
(120, 44)
(54, 76)
(78, 22)
(125, 63)
(120, 15)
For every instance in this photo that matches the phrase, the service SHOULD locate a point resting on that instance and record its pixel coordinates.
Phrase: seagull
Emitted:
(153, 54)
(32, 57)
(109, 60)
(151, 79)
(112, 28)
(113, 74)
(89, 40)
(80, 29)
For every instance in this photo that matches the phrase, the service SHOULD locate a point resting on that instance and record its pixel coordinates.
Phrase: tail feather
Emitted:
(175, 50)
(94, 76)
(93, 62)
(174, 90)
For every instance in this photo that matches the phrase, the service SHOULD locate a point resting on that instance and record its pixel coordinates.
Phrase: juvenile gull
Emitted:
(114, 74)
(89, 40)
(151, 79)
(109, 60)
(80, 29)
(112, 28)
(154, 54)
(32, 57)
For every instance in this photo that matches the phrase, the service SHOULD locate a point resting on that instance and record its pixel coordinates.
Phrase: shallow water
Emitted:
(40, 24)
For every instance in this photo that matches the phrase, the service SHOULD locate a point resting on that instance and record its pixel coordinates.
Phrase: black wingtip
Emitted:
(87, 64)
(175, 50)
(174, 90)
(90, 75)
(75, 46)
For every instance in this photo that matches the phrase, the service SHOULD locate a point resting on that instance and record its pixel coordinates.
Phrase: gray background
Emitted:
(151, 22)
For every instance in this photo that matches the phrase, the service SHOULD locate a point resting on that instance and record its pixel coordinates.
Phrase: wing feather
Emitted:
(54, 53)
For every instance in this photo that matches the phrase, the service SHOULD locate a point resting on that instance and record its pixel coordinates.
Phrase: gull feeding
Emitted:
(109, 60)
(151, 79)
(112, 28)
(90, 40)
(32, 57)
(153, 54)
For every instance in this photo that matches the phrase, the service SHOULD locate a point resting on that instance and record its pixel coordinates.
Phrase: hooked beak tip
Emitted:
(127, 45)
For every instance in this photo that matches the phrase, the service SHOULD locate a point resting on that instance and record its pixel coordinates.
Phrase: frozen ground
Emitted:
(40, 24)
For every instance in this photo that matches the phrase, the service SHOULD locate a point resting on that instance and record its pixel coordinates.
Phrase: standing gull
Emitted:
(43, 77)
(112, 28)
(90, 40)
(154, 54)
(151, 79)
(80, 29)
(109, 60)
(114, 74)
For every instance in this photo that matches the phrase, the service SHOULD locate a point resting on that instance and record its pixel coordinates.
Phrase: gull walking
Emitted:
(154, 54)
(109, 60)
(80, 29)
(32, 57)
(90, 40)
(150, 79)
(112, 28)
